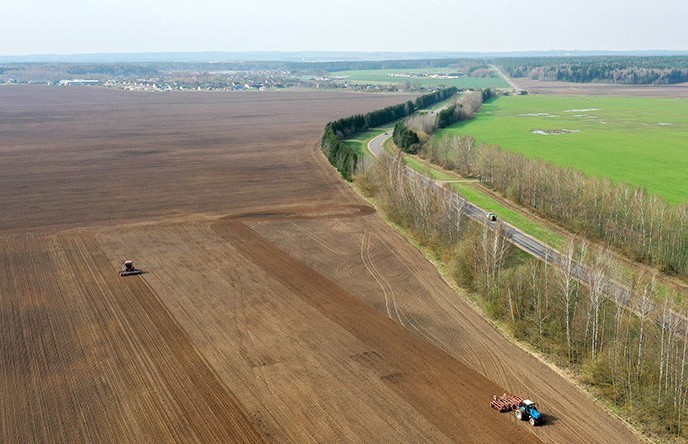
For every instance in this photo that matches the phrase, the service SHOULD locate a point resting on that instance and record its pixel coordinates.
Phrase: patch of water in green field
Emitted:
(641, 141)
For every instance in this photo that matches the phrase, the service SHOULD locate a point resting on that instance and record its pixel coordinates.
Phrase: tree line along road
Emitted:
(613, 290)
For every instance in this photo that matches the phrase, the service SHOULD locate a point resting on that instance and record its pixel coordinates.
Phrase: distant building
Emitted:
(77, 82)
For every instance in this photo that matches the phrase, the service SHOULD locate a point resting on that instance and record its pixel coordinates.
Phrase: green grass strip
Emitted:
(478, 197)
(434, 173)
(509, 215)
(359, 142)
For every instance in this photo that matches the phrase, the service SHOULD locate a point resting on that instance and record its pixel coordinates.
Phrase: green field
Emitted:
(641, 141)
(391, 76)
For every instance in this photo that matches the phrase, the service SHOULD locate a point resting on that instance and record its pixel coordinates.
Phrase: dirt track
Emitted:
(300, 317)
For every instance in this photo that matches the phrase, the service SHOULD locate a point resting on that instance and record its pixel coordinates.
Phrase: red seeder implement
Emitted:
(505, 403)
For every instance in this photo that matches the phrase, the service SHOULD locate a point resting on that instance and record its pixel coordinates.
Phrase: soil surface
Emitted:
(276, 305)
(600, 89)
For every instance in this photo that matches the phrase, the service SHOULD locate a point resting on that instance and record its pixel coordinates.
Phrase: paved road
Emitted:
(506, 78)
(375, 145)
(515, 236)
(613, 290)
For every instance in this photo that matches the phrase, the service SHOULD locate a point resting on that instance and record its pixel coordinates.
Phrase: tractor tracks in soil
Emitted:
(433, 312)
(405, 317)
(241, 327)
(387, 289)
(208, 408)
(110, 362)
(423, 375)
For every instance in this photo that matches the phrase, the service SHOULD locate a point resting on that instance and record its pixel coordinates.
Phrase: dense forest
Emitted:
(607, 69)
(112, 70)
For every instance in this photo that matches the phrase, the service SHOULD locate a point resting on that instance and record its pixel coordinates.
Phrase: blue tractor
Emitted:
(527, 411)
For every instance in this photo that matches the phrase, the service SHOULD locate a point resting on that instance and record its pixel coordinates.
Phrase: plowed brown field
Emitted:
(600, 89)
(276, 305)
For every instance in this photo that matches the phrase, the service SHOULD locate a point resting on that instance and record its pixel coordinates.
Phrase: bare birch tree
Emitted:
(644, 307)
(494, 246)
(568, 286)
(598, 281)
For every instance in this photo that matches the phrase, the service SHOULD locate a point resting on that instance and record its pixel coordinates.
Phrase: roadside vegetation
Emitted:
(359, 142)
(343, 156)
(463, 107)
(630, 353)
(404, 138)
(474, 192)
(643, 226)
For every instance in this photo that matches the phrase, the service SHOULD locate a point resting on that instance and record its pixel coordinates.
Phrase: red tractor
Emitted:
(129, 270)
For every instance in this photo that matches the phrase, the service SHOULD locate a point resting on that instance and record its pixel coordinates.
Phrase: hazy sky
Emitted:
(80, 26)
